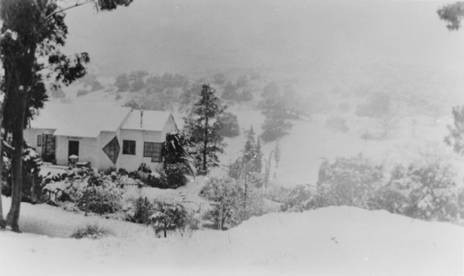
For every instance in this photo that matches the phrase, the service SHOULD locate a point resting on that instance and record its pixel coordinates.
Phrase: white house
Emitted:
(102, 134)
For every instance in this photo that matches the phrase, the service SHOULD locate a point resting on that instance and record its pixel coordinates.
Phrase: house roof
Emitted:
(82, 120)
(89, 119)
(147, 120)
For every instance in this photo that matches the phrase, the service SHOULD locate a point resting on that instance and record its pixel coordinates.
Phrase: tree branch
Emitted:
(77, 4)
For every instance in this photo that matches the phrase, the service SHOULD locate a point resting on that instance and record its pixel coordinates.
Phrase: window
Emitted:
(153, 150)
(128, 147)
(39, 140)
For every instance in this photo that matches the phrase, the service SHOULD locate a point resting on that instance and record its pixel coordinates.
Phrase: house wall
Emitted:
(30, 136)
(88, 149)
(103, 161)
(132, 162)
(91, 149)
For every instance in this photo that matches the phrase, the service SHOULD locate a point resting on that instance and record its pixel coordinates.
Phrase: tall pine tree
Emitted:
(202, 130)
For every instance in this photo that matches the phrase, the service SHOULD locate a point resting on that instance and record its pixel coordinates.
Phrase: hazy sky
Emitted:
(326, 41)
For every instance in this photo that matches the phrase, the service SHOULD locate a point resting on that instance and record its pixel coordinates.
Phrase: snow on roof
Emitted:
(82, 120)
(147, 120)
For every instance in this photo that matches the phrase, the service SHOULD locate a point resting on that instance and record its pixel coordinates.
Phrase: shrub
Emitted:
(168, 217)
(143, 209)
(348, 181)
(90, 232)
(225, 196)
(297, 199)
(101, 199)
(429, 191)
(460, 202)
(390, 200)
(175, 175)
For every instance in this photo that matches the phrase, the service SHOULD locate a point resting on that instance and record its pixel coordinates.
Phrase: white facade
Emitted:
(139, 126)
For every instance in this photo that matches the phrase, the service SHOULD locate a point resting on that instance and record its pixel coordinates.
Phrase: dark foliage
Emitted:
(143, 209)
(201, 130)
(452, 14)
(90, 232)
(168, 217)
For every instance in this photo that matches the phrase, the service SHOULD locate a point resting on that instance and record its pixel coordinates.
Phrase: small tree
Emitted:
(202, 130)
(168, 217)
(251, 153)
(225, 196)
(247, 168)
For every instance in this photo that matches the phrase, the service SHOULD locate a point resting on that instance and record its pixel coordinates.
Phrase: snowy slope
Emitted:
(329, 241)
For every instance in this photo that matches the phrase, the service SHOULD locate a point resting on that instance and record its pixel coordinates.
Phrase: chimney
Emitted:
(141, 118)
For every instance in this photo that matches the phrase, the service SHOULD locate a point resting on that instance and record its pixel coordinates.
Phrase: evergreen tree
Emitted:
(176, 162)
(251, 160)
(252, 155)
(202, 130)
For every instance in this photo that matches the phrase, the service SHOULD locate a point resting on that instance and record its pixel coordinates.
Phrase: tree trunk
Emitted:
(205, 145)
(17, 166)
(2, 220)
(245, 196)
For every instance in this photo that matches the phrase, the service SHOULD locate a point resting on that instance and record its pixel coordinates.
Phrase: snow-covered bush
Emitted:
(390, 200)
(90, 232)
(102, 198)
(430, 190)
(347, 181)
(175, 175)
(297, 199)
(252, 202)
(460, 202)
(168, 217)
(225, 196)
(142, 212)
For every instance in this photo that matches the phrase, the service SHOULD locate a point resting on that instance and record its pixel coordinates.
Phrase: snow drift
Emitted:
(328, 241)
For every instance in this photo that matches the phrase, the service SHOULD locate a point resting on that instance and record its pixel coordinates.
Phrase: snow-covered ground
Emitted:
(310, 142)
(329, 241)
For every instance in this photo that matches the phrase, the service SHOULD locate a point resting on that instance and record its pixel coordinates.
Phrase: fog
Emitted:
(304, 36)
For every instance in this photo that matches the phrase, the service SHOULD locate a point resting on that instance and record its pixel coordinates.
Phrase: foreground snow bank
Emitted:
(329, 241)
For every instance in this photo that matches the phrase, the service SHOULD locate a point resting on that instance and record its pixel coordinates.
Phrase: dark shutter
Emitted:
(112, 150)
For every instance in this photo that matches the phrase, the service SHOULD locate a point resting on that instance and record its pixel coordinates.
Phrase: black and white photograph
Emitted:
(232, 137)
